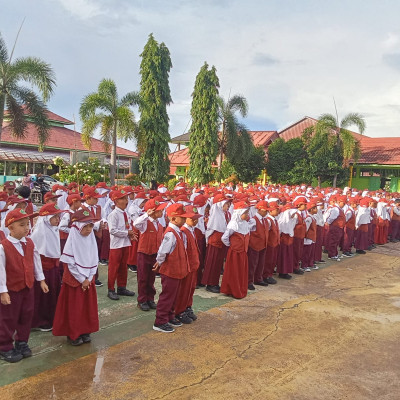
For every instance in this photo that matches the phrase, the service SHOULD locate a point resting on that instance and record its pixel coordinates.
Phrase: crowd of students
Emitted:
(189, 237)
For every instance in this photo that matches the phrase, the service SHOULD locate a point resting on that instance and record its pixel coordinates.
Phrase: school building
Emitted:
(378, 166)
(20, 155)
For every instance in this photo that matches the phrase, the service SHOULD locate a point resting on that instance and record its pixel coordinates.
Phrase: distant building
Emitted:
(20, 155)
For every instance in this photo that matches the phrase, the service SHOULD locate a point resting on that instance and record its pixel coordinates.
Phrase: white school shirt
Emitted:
(141, 223)
(37, 270)
(65, 221)
(82, 274)
(331, 214)
(118, 231)
(168, 243)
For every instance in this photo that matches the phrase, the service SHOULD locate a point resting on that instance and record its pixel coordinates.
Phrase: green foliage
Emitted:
(114, 117)
(248, 165)
(172, 183)
(155, 95)
(89, 172)
(132, 179)
(203, 144)
(20, 100)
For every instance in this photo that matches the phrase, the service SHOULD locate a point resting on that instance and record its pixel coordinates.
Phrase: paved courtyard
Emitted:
(330, 334)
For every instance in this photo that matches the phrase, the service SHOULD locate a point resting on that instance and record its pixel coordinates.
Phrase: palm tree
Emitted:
(346, 144)
(18, 99)
(234, 136)
(114, 117)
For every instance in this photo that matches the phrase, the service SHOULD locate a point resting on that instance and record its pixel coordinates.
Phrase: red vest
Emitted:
(192, 250)
(340, 221)
(49, 263)
(19, 269)
(259, 237)
(312, 231)
(2, 236)
(351, 223)
(300, 228)
(374, 217)
(239, 242)
(176, 264)
(273, 236)
(150, 241)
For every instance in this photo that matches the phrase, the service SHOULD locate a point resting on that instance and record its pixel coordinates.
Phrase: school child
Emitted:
(319, 217)
(350, 227)
(395, 221)
(236, 237)
(121, 235)
(372, 225)
(151, 234)
(363, 220)
(45, 236)
(203, 208)
(9, 188)
(216, 250)
(74, 202)
(50, 197)
(173, 265)
(272, 250)
(335, 221)
(62, 192)
(184, 301)
(307, 258)
(13, 202)
(135, 210)
(300, 203)
(258, 245)
(20, 266)
(76, 313)
(382, 226)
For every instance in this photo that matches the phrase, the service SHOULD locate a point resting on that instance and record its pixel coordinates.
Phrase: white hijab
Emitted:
(237, 224)
(363, 216)
(200, 225)
(381, 210)
(134, 210)
(80, 250)
(217, 221)
(286, 222)
(46, 237)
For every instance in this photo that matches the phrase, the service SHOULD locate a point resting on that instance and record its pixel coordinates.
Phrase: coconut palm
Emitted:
(234, 137)
(114, 117)
(347, 145)
(19, 99)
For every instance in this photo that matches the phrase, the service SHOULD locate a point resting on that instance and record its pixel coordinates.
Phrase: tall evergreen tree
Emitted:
(155, 96)
(203, 144)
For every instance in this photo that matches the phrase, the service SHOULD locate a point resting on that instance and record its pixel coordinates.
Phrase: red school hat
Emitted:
(177, 210)
(16, 215)
(82, 216)
(91, 192)
(118, 194)
(200, 200)
(49, 209)
(73, 197)
(262, 205)
(240, 205)
(153, 203)
(193, 211)
(51, 196)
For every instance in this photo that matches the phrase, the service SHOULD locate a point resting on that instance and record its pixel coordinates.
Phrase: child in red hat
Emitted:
(307, 258)
(20, 266)
(173, 265)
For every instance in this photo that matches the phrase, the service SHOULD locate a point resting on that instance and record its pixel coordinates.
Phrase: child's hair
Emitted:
(397, 201)
(24, 191)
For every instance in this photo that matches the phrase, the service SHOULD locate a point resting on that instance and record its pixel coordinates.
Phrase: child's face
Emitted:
(132, 196)
(313, 210)
(341, 204)
(10, 191)
(19, 229)
(92, 201)
(191, 221)
(55, 220)
(226, 206)
(301, 207)
(274, 212)
(245, 216)
(87, 230)
(142, 203)
(178, 221)
(263, 213)
(157, 214)
(76, 205)
(122, 202)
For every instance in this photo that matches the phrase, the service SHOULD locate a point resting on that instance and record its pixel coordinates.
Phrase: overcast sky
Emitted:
(287, 57)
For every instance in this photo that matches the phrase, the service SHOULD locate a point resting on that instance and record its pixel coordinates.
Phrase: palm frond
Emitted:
(127, 127)
(89, 126)
(107, 131)
(92, 102)
(36, 72)
(3, 51)
(130, 99)
(17, 118)
(326, 123)
(238, 103)
(355, 119)
(348, 143)
(108, 89)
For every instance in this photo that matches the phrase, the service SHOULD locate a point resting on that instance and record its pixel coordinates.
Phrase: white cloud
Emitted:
(83, 9)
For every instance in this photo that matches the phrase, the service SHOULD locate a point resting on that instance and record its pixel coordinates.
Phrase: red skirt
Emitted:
(235, 278)
(76, 312)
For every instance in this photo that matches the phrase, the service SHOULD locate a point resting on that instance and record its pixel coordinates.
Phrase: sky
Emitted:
(289, 58)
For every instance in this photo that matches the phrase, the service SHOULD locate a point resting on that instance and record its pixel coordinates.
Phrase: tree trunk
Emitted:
(319, 181)
(221, 150)
(113, 160)
(2, 103)
(334, 180)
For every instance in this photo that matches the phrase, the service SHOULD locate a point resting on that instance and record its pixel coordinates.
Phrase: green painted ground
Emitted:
(119, 321)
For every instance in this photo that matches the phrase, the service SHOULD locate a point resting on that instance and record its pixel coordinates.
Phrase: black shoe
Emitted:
(298, 271)
(132, 268)
(98, 283)
(166, 328)
(213, 289)
(11, 356)
(76, 342)
(23, 348)
(347, 254)
(251, 287)
(321, 262)
(144, 306)
(112, 295)
(201, 285)
(86, 338)
(270, 280)
(262, 283)
(152, 304)
(123, 291)
(175, 323)
(285, 276)
(370, 248)
(361, 252)
(326, 251)
(184, 318)
(104, 262)
(191, 314)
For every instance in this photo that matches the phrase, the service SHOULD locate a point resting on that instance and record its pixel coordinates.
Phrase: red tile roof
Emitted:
(263, 138)
(384, 151)
(50, 115)
(180, 157)
(60, 137)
